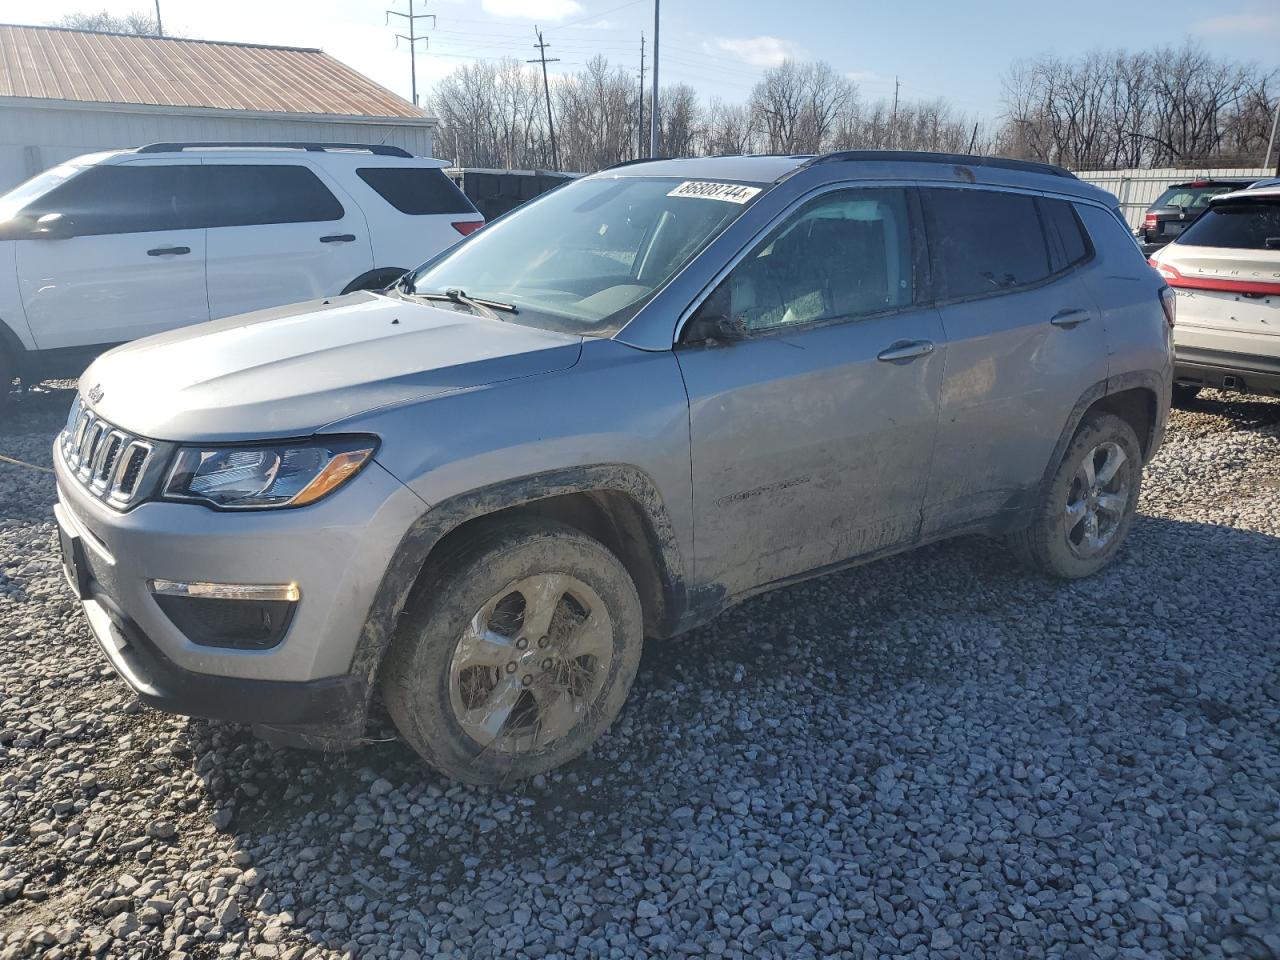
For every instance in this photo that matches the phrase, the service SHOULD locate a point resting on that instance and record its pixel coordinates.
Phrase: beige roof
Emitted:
(59, 64)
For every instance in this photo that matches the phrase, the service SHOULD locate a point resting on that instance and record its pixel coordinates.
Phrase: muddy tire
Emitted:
(1088, 506)
(516, 655)
(1184, 394)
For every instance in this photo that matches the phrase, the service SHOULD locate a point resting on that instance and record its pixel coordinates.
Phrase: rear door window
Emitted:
(417, 191)
(1238, 224)
(984, 242)
(245, 194)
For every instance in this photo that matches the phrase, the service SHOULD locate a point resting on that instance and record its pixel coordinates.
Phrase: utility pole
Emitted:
(159, 24)
(413, 37)
(640, 137)
(541, 47)
(1275, 122)
(893, 124)
(653, 109)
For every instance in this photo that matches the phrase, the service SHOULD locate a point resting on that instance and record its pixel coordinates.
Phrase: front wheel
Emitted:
(1088, 506)
(517, 655)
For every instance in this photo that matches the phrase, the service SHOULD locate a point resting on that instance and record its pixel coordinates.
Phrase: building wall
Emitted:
(1138, 189)
(34, 138)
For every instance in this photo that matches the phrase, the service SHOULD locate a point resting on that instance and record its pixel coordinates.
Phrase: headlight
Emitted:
(267, 475)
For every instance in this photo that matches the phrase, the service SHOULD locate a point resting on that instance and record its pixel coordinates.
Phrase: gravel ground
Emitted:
(932, 756)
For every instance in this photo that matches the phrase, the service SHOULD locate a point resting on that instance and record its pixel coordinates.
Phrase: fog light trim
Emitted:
(289, 592)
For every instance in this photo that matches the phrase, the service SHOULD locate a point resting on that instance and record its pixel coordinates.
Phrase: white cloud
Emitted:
(761, 51)
(866, 76)
(1228, 23)
(532, 9)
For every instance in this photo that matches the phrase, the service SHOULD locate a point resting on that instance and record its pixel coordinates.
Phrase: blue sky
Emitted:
(722, 46)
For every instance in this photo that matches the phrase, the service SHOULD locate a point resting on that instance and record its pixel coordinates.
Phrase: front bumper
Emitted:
(335, 550)
(159, 682)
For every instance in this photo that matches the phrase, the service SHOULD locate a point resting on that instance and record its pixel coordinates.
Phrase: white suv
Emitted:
(110, 247)
(1225, 269)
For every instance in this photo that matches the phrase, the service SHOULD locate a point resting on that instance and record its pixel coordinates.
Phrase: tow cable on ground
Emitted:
(23, 463)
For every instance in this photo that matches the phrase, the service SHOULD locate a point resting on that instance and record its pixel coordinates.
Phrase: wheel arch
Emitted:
(12, 349)
(1140, 398)
(614, 503)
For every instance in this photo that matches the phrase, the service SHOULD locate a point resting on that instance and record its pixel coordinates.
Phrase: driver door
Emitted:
(133, 264)
(812, 430)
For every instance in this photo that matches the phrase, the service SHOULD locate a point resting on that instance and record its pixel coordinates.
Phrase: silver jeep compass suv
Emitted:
(608, 416)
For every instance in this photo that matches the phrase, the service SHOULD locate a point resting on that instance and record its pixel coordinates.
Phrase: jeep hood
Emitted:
(289, 371)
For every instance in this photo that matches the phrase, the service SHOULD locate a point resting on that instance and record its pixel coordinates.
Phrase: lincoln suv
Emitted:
(466, 500)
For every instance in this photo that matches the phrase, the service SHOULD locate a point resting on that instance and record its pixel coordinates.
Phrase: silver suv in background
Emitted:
(1225, 270)
(610, 415)
(111, 247)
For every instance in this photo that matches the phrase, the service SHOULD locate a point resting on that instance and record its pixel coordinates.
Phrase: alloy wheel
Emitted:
(1097, 500)
(531, 663)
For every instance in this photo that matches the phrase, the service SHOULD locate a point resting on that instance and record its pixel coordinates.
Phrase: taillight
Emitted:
(1169, 301)
(1149, 222)
(467, 227)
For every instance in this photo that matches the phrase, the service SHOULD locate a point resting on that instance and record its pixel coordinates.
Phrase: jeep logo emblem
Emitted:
(95, 394)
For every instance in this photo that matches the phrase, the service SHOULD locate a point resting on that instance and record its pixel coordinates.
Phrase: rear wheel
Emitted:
(1088, 506)
(1184, 394)
(518, 656)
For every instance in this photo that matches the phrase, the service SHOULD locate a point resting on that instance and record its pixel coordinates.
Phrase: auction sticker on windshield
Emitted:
(706, 190)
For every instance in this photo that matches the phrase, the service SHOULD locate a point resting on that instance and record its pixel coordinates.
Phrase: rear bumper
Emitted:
(1246, 373)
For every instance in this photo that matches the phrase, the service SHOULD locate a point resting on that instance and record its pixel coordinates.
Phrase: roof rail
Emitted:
(957, 159)
(377, 149)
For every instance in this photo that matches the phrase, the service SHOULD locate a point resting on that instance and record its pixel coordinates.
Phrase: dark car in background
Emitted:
(1179, 205)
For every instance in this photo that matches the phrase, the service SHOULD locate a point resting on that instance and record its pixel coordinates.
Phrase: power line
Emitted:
(413, 38)
(541, 46)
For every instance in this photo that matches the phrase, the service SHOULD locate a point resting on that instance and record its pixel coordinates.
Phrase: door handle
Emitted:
(168, 251)
(338, 238)
(1069, 318)
(905, 350)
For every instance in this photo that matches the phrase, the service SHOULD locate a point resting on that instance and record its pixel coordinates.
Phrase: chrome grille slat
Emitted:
(106, 461)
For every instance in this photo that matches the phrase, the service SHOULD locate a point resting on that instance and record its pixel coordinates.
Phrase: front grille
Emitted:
(107, 461)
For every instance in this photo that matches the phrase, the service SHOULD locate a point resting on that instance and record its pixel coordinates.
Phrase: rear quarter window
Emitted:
(417, 191)
(1242, 225)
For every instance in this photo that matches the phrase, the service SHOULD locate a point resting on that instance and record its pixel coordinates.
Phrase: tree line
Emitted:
(1164, 107)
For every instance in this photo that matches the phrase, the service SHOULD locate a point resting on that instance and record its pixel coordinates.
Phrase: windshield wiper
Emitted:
(481, 306)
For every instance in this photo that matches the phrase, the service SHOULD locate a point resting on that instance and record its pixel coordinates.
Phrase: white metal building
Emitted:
(67, 92)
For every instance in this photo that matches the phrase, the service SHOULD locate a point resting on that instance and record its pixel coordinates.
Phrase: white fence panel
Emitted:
(1138, 189)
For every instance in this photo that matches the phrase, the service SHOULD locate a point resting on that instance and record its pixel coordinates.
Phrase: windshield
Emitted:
(584, 258)
(1190, 198)
(37, 186)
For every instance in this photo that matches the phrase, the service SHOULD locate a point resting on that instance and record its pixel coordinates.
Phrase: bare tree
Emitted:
(729, 129)
(138, 24)
(491, 115)
(1164, 107)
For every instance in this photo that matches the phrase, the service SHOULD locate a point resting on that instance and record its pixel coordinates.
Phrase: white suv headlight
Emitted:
(266, 475)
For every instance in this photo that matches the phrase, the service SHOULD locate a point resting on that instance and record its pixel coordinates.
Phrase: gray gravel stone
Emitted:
(934, 755)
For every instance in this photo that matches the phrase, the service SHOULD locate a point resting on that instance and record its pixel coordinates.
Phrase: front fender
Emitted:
(436, 523)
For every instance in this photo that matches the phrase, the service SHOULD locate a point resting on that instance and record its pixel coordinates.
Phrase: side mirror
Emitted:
(715, 319)
(54, 226)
